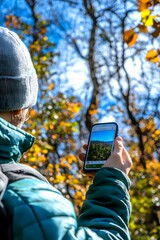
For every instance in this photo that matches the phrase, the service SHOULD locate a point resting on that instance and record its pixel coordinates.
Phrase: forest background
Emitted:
(96, 61)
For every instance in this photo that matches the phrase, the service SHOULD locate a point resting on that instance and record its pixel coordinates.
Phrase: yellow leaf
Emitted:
(33, 113)
(71, 159)
(51, 86)
(152, 56)
(44, 58)
(130, 37)
(45, 38)
(32, 159)
(157, 132)
(78, 194)
(41, 158)
(145, 13)
(74, 107)
(45, 151)
(147, 19)
(55, 136)
(59, 179)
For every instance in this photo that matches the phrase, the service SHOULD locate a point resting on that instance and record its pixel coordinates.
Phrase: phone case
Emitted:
(102, 142)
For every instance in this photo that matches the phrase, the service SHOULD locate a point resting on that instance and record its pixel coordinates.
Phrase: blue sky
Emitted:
(72, 72)
(105, 136)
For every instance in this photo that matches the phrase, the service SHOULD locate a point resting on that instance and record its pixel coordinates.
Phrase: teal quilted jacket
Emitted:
(40, 212)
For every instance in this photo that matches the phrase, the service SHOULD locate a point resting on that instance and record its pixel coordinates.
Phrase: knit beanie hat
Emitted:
(18, 79)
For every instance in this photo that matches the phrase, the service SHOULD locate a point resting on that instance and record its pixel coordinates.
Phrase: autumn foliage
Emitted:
(58, 120)
(148, 20)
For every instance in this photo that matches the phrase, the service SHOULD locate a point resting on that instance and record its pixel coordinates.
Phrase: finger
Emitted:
(119, 138)
(118, 145)
(85, 146)
(82, 156)
(127, 158)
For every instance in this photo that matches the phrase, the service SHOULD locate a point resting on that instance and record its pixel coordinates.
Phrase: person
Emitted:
(36, 208)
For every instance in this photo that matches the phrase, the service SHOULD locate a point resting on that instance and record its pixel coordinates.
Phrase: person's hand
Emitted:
(120, 158)
(82, 155)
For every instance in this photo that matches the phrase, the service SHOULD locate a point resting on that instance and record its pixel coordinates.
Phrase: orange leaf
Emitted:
(43, 30)
(156, 33)
(156, 26)
(144, 4)
(51, 86)
(143, 28)
(145, 1)
(93, 112)
(130, 37)
(152, 56)
(37, 48)
(33, 113)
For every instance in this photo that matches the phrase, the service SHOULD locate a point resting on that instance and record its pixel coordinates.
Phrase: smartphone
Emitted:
(100, 145)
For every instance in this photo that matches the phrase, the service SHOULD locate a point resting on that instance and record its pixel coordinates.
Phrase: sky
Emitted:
(76, 73)
(105, 136)
(105, 133)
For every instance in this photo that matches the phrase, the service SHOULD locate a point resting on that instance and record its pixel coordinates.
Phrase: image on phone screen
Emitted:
(100, 146)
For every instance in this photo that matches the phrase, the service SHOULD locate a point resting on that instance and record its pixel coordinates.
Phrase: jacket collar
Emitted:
(13, 142)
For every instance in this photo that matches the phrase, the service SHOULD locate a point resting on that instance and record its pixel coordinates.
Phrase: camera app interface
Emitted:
(100, 145)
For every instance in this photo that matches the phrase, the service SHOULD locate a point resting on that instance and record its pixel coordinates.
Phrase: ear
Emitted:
(17, 112)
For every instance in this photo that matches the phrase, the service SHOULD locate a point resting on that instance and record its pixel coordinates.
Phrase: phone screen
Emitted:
(100, 145)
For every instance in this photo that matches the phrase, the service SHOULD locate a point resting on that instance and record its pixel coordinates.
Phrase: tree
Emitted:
(121, 54)
(120, 71)
(103, 30)
(149, 25)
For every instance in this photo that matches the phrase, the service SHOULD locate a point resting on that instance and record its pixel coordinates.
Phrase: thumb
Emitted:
(118, 146)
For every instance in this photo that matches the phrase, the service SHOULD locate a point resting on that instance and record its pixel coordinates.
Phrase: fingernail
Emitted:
(119, 138)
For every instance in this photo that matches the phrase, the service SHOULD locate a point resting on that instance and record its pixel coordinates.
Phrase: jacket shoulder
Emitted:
(43, 206)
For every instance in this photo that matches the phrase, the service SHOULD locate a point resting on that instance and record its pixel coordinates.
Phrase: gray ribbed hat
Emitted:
(18, 79)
